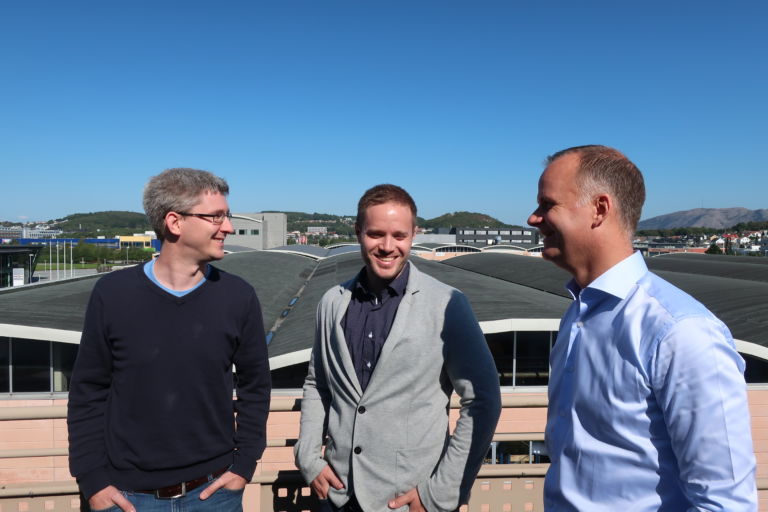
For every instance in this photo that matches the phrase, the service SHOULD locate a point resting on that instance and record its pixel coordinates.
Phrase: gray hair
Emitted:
(177, 190)
(604, 169)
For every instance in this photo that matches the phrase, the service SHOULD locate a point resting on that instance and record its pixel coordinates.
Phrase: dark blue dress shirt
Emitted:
(368, 320)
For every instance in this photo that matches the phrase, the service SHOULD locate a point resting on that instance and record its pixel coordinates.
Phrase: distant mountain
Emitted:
(718, 218)
(464, 220)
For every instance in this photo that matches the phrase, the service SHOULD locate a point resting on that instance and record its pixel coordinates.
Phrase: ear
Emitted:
(358, 231)
(603, 209)
(173, 223)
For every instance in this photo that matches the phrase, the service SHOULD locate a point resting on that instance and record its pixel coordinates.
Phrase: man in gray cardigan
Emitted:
(391, 345)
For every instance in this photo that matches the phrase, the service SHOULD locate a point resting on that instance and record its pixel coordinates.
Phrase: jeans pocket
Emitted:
(233, 491)
(113, 508)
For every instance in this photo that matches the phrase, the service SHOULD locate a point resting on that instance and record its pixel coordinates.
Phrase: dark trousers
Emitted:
(351, 506)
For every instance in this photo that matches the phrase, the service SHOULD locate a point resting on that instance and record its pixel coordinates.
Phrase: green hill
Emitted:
(112, 223)
(104, 223)
(344, 224)
(464, 220)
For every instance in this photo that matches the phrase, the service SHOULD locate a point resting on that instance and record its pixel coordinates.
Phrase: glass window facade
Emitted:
(17, 265)
(517, 452)
(63, 356)
(30, 366)
(522, 360)
(757, 369)
(5, 366)
(522, 357)
(532, 357)
(35, 366)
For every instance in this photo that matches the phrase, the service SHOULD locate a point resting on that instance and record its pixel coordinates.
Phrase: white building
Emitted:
(259, 230)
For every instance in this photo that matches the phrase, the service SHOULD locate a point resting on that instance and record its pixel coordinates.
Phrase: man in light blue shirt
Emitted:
(647, 400)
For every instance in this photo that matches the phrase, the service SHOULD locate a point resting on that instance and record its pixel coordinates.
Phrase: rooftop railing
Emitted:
(498, 487)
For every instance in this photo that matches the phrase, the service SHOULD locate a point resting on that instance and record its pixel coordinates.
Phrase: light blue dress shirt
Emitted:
(647, 402)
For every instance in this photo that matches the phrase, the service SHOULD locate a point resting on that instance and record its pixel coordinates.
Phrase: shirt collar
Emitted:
(617, 280)
(395, 288)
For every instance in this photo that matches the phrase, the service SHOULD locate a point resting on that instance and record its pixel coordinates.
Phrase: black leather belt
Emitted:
(181, 489)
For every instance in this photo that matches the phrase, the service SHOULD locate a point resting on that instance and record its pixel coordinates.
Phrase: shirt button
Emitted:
(358, 450)
(579, 324)
(370, 335)
(569, 369)
(361, 409)
(562, 413)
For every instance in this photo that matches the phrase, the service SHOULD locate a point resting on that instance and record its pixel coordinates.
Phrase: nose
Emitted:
(387, 244)
(226, 226)
(535, 218)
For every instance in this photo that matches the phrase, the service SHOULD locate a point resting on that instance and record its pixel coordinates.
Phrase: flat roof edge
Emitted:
(40, 333)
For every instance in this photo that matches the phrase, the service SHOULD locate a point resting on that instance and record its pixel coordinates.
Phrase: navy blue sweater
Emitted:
(150, 401)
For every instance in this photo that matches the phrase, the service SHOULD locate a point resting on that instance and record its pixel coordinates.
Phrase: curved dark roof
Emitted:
(499, 286)
(735, 267)
(318, 252)
(56, 305)
(314, 251)
(735, 288)
(491, 299)
(297, 330)
(275, 276)
(343, 249)
(62, 304)
(238, 248)
(530, 271)
(510, 245)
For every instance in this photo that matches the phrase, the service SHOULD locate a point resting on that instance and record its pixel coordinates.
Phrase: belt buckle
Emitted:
(179, 495)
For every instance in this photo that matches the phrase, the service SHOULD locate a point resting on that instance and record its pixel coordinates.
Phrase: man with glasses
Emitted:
(151, 416)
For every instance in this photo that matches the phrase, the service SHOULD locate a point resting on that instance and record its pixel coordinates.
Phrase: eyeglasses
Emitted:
(215, 218)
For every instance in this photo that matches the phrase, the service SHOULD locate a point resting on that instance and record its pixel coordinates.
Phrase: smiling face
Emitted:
(562, 219)
(385, 237)
(202, 239)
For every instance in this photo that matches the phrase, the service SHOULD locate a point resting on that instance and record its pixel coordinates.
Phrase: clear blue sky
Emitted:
(302, 105)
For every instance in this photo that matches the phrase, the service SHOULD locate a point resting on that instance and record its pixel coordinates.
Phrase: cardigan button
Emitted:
(358, 450)
(361, 409)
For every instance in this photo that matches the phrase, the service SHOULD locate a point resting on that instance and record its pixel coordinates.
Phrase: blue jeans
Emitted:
(222, 500)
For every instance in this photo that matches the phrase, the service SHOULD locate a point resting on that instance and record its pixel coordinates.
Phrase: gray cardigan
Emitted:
(394, 437)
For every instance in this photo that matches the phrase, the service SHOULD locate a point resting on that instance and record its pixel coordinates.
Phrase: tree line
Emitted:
(90, 253)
